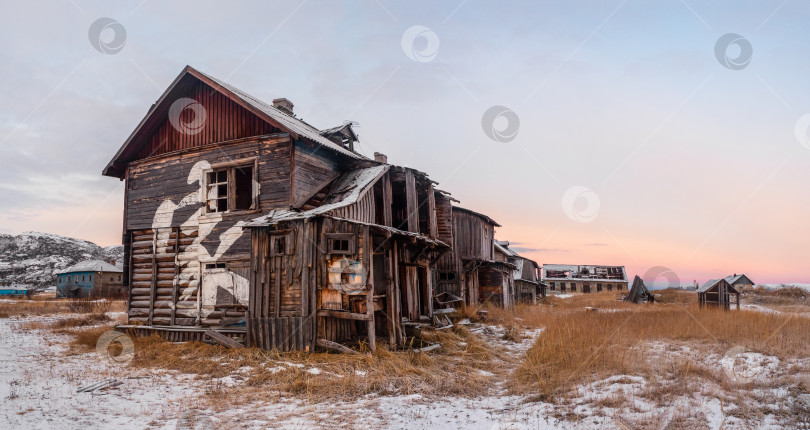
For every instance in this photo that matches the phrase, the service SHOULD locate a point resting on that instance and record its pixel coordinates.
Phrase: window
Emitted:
(562, 286)
(278, 245)
(340, 243)
(212, 266)
(229, 189)
(553, 286)
(119, 278)
(90, 278)
(112, 278)
(447, 276)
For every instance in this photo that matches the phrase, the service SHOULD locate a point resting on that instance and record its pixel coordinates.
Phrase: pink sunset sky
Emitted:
(688, 163)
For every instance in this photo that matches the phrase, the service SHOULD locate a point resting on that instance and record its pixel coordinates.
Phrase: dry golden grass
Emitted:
(37, 307)
(455, 369)
(577, 346)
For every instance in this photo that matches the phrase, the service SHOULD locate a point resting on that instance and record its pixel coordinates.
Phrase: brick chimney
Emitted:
(382, 158)
(283, 105)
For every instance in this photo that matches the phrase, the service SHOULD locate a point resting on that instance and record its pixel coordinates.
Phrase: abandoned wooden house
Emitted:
(584, 278)
(242, 218)
(639, 293)
(717, 292)
(471, 270)
(740, 282)
(526, 274)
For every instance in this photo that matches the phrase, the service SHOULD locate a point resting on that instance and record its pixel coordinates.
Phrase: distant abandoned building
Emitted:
(91, 278)
(718, 292)
(584, 278)
(526, 274)
(740, 282)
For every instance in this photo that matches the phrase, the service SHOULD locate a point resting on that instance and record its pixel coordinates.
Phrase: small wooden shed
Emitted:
(717, 292)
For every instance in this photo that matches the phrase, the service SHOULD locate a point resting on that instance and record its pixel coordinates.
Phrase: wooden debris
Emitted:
(334, 346)
(428, 348)
(101, 385)
(223, 340)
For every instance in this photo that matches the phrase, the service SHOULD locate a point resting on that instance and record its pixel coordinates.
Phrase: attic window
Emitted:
(341, 243)
(230, 189)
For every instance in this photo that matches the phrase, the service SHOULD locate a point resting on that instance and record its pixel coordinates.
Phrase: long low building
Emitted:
(585, 278)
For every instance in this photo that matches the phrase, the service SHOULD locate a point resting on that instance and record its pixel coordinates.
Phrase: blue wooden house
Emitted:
(94, 278)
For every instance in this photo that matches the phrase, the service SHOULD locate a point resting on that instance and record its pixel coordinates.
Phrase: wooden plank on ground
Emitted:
(223, 340)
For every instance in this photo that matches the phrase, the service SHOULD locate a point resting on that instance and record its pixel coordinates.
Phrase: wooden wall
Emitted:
(473, 236)
(157, 187)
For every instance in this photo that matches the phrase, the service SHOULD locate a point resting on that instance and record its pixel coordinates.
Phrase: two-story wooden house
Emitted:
(240, 216)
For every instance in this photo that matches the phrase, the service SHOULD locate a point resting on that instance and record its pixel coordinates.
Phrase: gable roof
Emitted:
(348, 189)
(479, 215)
(708, 285)
(91, 266)
(267, 112)
(732, 279)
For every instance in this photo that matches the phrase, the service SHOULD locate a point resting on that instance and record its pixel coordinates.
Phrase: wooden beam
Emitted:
(176, 275)
(412, 204)
(344, 315)
(334, 346)
(223, 340)
(368, 257)
(152, 292)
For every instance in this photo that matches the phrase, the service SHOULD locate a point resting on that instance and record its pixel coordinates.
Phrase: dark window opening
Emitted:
(279, 246)
(379, 208)
(399, 205)
(243, 183)
(212, 266)
(341, 243)
(423, 212)
(447, 276)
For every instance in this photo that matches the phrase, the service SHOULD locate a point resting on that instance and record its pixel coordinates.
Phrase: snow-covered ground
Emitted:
(38, 384)
(39, 379)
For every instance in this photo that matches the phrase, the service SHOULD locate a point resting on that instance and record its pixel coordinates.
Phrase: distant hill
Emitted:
(32, 259)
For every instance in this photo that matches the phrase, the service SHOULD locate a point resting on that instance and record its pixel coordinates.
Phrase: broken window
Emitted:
(229, 189)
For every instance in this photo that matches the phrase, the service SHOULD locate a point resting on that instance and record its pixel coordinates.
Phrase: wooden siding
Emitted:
(224, 121)
(473, 236)
(168, 189)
